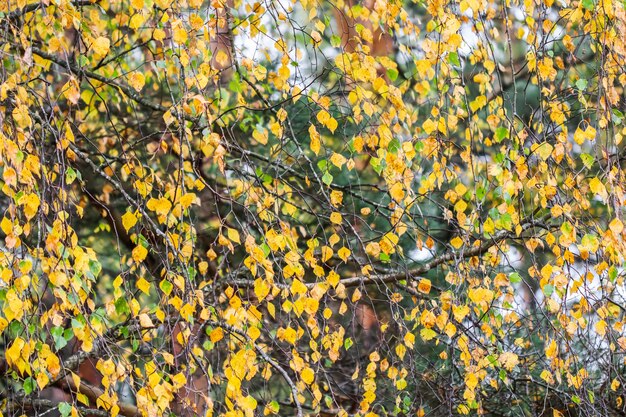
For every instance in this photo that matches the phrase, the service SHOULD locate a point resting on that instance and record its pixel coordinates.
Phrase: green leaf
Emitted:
(453, 58)
(377, 165)
(57, 335)
(274, 406)
(235, 84)
(83, 61)
(501, 133)
(394, 146)
(95, 268)
(587, 160)
(166, 287)
(515, 278)
(29, 385)
(347, 343)
(589, 5)
(70, 175)
(581, 84)
(335, 41)
(617, 116)
(65, 409)
(121, 306)
(327, 178)
(392, 73)
(548, 290)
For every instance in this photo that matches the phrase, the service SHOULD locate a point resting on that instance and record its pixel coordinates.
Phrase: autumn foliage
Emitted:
(313, 208)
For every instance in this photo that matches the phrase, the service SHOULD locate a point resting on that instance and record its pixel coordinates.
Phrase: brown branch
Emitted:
(413, 273)
(35, 404)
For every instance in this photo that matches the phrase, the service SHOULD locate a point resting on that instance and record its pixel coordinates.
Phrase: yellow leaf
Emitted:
(158, 34)
(180, 34)
(323, 117)
(248, 403)
(544, 150)
(616, 226)
(480, 295)
(6, 225)
(233, 235)
(143, 285)
(315, 140)
(479, 103)
(196, 21)
(332, 124)
(101, 46)
(179, 380)
(470, 380)
(31, 205)
(450, 329)
(489, 226)
(216, 334)
(327, 253)
(128, 220)
(335, 218)
(397, 191)
(145, 321)
(139, 253)
(42, 380)
(456, 243)
(21, 116)
(260, 136)
(14, 354)
(409, 340)
(615, 384)
(344, 253)
(598, 188)
(297, 287)
(551, 350)
(508, 360)
(336, 198)
(338, 160)
(427, 334)
(71, 91)
(137, 80)
(261, 289)
(161, 206)
(429, 126)
(547, 376)
(253, 332)
(424, 286)
(187, 200)
(307, 375)
(579, 136)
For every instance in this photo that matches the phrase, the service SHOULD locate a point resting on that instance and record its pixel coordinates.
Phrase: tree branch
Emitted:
(36, 404)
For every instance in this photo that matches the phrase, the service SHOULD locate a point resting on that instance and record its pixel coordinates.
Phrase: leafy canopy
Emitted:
(384, 208)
